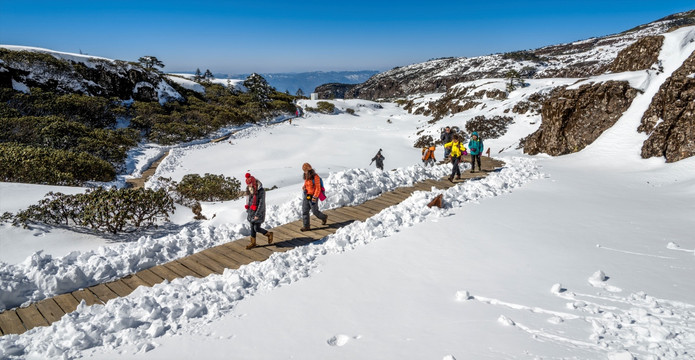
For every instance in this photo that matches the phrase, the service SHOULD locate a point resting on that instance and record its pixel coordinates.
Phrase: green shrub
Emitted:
(114, 211)
(30, 164)
(350, 111)
(325, 107)
(209, 187)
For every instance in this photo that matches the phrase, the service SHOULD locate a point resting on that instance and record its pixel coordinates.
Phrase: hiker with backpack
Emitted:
(476, 147)
(255, 210)
(379, 160)
(313, 191)
(456, 151)
(446, 137)
(428, 156)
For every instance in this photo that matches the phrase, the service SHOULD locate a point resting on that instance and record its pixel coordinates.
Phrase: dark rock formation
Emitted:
(573, 119)
(639, 56)
(670, 119)
(333, 90)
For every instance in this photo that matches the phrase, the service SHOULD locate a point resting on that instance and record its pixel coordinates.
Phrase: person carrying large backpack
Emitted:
(312, 191)
(428, 156)
(379, 158)
(445, 137)
(475, 145)
(255, 210)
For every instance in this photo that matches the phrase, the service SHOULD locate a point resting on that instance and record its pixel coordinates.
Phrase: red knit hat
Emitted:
(250, 180)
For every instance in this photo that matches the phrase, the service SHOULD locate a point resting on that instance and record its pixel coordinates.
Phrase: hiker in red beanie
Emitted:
(255, 210)
(312, 192)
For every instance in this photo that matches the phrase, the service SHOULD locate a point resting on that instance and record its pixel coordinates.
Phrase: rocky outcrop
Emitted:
(90, 76)
(639, 56)
(670, 119)
(333, 90)
(578, 59)
(574, 118)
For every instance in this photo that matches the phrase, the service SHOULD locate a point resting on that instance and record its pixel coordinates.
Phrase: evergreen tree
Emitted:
(515, 80)
(150, 62)
(300, 92)
(259, 88)
(208, 75)
(198, 75)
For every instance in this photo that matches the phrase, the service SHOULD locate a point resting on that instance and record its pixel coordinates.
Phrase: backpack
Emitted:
(322, 195)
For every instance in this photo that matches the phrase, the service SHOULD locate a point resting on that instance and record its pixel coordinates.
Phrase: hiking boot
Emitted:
(269, 235)
(458, 177)
(305, 228)
(252, 244)
(451, 178)
(323, 222)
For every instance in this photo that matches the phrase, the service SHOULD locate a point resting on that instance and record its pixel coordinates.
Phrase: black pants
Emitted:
(455, 160)
(256, 228)
(474, 159)
(308, 205)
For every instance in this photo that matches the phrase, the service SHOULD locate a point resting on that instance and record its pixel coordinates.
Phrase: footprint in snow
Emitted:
(340, 340)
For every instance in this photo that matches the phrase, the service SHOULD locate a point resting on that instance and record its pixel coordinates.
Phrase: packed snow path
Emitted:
(215, 260)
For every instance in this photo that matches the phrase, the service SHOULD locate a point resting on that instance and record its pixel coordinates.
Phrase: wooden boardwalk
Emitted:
(215, 260)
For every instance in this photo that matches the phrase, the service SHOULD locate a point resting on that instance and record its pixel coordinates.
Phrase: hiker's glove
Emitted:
(314, 200)
(246, 206)
(308, 197)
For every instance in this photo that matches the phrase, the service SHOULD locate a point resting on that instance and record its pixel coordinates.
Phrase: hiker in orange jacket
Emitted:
(312, 191)
(428, 156)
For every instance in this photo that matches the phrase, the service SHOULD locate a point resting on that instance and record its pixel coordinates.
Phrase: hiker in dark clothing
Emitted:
(446, 137)
(255, 210)
(475, 145)
(312, 192)
(379, 160)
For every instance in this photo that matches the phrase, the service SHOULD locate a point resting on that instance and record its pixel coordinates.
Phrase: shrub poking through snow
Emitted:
(114, 210)
(209, 187)
(325, 107)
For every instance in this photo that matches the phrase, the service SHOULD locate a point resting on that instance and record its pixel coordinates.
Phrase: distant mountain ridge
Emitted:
(307, 81)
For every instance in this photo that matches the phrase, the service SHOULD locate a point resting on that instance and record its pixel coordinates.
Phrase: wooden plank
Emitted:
(103, 293)
(87, 296)
(240, 247)
(294, 238)
(234, 255)
(10, 323)
(223, 260)
(134, 281)
(352, 215)
(358, 214)
(385, 203)
(372, 206)
(164, 273)
(193, 265)
(183, 271)
(31, 317)
(150, 278)
(207, 262)
(50, 310)
(67, 302)
(119, 287)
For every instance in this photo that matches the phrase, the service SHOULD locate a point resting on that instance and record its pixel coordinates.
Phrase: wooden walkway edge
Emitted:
(215, 260)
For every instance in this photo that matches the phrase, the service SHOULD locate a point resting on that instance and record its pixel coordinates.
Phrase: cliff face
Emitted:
(670, 119)
(333, 90)
(23, 69)
(574, 118)
(639, 56)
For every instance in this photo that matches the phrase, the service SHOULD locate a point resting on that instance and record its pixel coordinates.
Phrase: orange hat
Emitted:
(306, 167)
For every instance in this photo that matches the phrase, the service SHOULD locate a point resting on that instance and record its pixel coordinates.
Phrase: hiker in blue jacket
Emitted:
(475, 146)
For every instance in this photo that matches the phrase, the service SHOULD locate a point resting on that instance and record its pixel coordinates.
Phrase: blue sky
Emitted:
(284, 36)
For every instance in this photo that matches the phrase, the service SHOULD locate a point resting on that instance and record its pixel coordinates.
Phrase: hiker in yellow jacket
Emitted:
(457, 150)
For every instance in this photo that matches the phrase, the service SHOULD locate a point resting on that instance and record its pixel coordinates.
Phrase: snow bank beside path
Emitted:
(41, 275)
(166, 308)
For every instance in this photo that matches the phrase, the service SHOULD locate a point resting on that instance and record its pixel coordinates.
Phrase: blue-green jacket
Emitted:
(475, 147)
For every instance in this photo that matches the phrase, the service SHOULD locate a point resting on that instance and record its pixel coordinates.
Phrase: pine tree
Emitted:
(300, 92)
(150, 62)
(259, 88)
(515, 80)
(208, 75)
(198, 75)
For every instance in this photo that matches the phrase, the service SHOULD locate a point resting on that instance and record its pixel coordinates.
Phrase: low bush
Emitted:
(113, 211)
(489, 128)
(30, 164)
(325, 107)
(209, 187)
